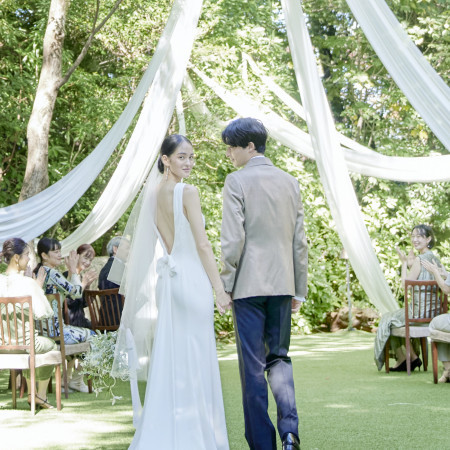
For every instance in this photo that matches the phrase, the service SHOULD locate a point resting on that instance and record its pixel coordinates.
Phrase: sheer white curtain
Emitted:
(331, 163)
(359, 159)
(149, 133)
(37, 214)
(423, 87)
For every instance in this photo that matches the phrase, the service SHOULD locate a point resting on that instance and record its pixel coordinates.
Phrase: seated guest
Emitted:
(111, 307)
(423, 240)
(49, 251)
(14, 284)
(111, 248)
(441, 322)
(76, 305)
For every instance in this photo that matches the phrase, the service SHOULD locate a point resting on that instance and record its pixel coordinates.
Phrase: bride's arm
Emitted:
(191, 203)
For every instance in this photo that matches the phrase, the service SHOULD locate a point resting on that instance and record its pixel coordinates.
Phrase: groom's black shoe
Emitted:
(291, 442)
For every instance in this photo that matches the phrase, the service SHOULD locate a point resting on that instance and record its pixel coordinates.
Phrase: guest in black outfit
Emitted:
(112, 247)
(111, 306)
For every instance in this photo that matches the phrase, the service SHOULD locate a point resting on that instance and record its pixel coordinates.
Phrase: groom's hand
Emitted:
(295, 307)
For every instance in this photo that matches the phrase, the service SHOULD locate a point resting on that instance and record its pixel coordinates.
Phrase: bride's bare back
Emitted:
(164, 216)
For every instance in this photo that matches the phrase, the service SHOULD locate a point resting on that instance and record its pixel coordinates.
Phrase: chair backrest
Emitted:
(105, 307)
(423, 301)
(16, 328)
(53, 326)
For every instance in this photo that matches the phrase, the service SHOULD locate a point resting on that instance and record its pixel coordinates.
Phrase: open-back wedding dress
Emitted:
(183, 408)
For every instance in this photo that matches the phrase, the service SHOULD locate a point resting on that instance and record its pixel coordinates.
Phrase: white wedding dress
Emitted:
(183, 407)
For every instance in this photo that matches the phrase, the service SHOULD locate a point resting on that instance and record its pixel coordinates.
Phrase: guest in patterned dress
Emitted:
(49, 251)
(76, 305)
(422, 239)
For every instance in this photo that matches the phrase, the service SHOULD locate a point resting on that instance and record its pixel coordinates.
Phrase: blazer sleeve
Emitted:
(233, 232)
(300, 253)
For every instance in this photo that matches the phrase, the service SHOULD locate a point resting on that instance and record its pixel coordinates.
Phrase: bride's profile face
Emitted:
(180, 162)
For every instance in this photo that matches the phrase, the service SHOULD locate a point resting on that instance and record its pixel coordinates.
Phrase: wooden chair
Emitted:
(15, 315)
(105, 307)
(437, 336)
(53, 329)
(423, 301)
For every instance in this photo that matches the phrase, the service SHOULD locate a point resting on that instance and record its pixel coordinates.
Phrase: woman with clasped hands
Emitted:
(423, 241)
(49, 251)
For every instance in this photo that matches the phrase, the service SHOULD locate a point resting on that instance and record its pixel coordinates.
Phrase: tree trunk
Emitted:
(36, 173)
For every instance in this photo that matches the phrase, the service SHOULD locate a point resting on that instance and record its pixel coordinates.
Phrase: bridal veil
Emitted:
(134, 269)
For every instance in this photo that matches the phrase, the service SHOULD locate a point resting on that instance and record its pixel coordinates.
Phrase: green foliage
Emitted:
(366, 103)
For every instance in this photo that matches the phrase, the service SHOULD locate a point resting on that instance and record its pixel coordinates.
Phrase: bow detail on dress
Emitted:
(166, 265)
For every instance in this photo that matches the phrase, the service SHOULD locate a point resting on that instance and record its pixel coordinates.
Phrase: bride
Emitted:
(166, 334)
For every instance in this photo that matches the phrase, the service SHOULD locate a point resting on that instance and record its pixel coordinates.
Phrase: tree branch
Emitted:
(85, 49)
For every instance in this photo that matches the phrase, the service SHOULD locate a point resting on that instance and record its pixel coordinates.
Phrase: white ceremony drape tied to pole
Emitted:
(331, 164)
(149, 132)
(421, 84)
(37, 214)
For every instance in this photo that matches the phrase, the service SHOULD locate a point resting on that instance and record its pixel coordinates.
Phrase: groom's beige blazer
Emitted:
(264, 249)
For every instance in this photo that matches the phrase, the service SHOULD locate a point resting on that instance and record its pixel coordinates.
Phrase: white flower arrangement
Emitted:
(98, 363)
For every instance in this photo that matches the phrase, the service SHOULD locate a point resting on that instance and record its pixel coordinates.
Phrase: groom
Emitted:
(265, 256)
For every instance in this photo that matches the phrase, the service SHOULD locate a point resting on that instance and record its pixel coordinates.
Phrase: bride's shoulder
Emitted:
(190, 190)
(191, 196)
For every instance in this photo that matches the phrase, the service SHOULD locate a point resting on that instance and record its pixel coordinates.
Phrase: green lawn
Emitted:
(343, 403)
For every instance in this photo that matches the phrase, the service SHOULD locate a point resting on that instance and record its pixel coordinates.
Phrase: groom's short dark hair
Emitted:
(242, 131)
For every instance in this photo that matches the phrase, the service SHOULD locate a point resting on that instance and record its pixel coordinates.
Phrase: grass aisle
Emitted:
(343, 402)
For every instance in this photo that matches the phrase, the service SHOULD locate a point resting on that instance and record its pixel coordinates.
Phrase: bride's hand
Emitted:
(223, 301)
(295, 305)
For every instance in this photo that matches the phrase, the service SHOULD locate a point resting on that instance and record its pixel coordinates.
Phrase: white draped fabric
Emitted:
(423, 87)
(37, 214)
(367, 161)
(180, 115)
(359, 159)
(331, 163)
(149, 133)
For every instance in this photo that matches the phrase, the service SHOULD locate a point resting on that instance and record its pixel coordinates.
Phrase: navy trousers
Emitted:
(263, 331)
